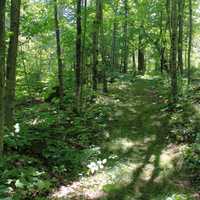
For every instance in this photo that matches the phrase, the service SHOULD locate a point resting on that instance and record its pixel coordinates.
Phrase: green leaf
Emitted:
(19, 184)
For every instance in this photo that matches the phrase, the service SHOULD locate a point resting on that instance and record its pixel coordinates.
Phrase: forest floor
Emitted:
(141, 163)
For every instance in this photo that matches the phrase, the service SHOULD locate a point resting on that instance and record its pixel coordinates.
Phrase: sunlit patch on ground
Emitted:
(93, 187)
(168, 155)
(144, 163)
(125, 144)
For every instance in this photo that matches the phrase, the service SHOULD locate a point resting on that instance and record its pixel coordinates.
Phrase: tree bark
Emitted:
(133, 61)
(102, 48)
(173, 67)
(125, 50)
(58, 51)
(96, 26)
(2, 70)
(78, 55)
(114, 45)
(141, 57)
(11, 63)
(190, 41)
(84, 53)
(181, 4)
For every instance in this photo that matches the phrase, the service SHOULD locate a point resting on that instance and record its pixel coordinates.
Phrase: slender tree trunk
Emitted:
(84, 70)
(162, 43)
(162, 59)
(78, 55)
(181, 4)
(125, 50)
(2, 70)
(95, 47)
(96, 26)
(58, 51)
(168, 11)
(102, 48)
(114, 44)
(190, 41)
(11, 63)
(133, 61)
(141, 57)
(173, 67)
(84, 54)
(141, 61)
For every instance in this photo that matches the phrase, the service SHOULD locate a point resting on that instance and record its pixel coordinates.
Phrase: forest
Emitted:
(99, 100)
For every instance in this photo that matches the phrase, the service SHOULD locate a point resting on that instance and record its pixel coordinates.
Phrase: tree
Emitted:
(78, 55)
(102, 48)
(174, 51)
(59, 57)
(114, 59)
(141, 57)
(2, 70)
(181, 4)
(190, 40)
(95, 53)
(11, 63)
(125, 39)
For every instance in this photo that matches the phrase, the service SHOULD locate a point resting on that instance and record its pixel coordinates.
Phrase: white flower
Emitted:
(101, 166)
(17, 128)
(104, 161)
(106, 134)
(93, 167)
(99, 162)
(113, 157)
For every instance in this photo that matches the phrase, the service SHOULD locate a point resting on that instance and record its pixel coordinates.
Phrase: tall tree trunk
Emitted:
(58, 51)
(162, 59)
(181, 4)
(141, 58)
(125, 50)
(96, 26)
(114, 45)
(11, 63)
(102, 48)
(190, 41)
(173, 67)
(84, 70)
(115, 49)
(162, 43)
(78, 56)
(95, 47)
(84, 54)
(133, 61)
(141, 61)
(2, 70)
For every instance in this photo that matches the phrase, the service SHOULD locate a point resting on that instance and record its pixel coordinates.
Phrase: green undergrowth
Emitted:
(49, 147)
(122, 141)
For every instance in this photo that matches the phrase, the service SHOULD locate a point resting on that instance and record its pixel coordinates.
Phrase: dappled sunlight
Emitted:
(126, 144)
(168, 155)
(148, 77)
(143, 160)
(197, 108)
(92, 187)
(122, 85)
(106, 100)
(121, 175)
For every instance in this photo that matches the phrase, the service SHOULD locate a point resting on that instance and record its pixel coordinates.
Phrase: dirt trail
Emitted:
(144, 164)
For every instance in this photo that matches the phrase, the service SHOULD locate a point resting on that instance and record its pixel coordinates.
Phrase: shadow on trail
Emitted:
(148, 123)
(139, 186)
(138, 138)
